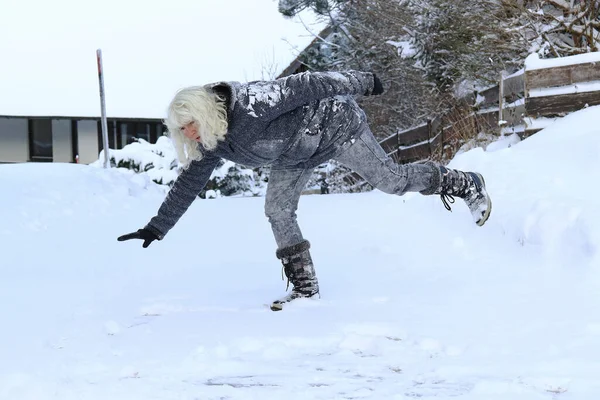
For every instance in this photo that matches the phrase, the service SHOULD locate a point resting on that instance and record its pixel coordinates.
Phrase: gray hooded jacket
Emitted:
(295, 122)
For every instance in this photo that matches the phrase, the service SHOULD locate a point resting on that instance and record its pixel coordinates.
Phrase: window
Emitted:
(87, 141)
(14, 140)
(160, 130)
(126, 133)
(142, 131)
(111, 132)
(62, 137)
(40, 139)
(129, 131)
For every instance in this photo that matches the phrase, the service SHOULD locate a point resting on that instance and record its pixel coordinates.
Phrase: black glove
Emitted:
(378, 87)
(144, 234)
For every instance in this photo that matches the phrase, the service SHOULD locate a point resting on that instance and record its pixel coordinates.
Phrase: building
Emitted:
(297, 66)
(68, 139)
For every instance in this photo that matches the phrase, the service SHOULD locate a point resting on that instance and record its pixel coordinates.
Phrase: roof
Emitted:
(297, 63)
(150, 50)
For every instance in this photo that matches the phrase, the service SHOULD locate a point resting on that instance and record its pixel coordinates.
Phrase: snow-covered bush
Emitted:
(231, 179)
(159, 161)
(333, 177)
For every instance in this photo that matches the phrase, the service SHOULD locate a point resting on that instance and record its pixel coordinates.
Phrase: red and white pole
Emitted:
(103, 109)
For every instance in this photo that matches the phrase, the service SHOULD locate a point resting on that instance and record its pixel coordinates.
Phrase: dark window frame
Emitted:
(112, 141)
(32, 157)
(74, 141)
(119, 131)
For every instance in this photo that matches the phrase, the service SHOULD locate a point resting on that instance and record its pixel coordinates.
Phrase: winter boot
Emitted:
(468, 186)
(300, 271)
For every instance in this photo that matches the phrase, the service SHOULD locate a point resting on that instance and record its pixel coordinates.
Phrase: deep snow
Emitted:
(416, 301)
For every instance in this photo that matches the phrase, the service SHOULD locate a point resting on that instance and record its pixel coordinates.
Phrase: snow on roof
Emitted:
(533, 61)
(150, 50)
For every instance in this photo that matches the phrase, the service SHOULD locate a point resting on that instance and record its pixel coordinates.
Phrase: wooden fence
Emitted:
(558, 90)
(480, 112)
(519, 103)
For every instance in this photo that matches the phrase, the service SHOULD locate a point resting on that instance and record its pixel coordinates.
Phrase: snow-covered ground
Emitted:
(416, 302)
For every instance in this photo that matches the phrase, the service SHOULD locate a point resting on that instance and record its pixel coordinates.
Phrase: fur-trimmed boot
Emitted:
(300, 272)
(468, 186)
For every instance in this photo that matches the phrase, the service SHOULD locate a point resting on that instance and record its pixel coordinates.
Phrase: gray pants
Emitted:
(365, 157)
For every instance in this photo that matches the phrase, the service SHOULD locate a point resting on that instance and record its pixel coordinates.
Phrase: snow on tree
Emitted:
(559, 28)
(289, 8)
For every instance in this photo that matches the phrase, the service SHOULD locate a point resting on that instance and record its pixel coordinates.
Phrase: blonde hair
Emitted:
(207, 110)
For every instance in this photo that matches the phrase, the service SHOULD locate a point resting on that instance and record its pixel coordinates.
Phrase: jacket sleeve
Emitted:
(186, 188)
(289, 93)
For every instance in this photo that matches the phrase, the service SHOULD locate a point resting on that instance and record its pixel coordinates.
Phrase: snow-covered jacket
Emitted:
(299, 122)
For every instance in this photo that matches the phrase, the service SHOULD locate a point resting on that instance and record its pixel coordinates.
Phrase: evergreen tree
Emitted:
(370, 35)
(465, 40)
(290, 8)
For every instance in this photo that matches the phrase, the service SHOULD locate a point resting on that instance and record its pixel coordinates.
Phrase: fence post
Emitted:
(475, 121)
(398, 147)
(429, 137)
(445, 120)
(501, 102)
(442, 138)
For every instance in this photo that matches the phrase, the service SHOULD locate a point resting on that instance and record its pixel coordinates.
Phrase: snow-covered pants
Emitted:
(365, 157)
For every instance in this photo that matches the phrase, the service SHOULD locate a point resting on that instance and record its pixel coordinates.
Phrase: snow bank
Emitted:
(46, 197)
(416, 302)
(535, 182)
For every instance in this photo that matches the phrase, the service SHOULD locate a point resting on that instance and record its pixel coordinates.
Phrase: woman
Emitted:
(292, 124)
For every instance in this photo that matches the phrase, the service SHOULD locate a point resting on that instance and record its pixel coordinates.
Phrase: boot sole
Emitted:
(488, 211)
(486, 214)
(279, 306)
